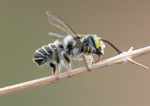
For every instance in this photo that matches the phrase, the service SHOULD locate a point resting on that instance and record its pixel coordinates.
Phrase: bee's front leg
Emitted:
(87, 56)
(88, 60)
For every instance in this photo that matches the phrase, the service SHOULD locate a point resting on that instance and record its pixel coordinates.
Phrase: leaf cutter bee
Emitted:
(79, 46)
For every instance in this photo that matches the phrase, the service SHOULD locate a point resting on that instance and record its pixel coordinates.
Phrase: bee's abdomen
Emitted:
(39, 58)
(43, 55)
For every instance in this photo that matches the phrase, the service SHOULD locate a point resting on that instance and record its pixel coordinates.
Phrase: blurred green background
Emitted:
(23, 29)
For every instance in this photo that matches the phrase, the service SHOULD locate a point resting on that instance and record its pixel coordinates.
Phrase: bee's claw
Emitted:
(89, 70)
(54, 82)
(69, 75)
(58, 77)
(71, 68)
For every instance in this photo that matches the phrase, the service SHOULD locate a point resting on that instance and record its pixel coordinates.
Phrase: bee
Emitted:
(54, 55)
(79, 46)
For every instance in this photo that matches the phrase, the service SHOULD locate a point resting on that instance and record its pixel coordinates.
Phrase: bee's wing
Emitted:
(56, 36)
(58, 22)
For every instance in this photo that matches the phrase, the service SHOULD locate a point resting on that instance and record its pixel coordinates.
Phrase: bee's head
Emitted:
(99, 46)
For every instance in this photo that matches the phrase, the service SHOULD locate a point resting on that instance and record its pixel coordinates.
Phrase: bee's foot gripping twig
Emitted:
(54, 82)
(69, 71)
(69, 75)
(58, 78)
(89, 69)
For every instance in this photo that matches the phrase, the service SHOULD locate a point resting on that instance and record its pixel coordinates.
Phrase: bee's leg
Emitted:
(87, 56)
(90, 59)
(58, 70)
(87, 61)
(53, 70)
(69, 64)
(58, 65)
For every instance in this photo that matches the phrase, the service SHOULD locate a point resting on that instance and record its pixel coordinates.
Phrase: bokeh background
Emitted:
(24, 27)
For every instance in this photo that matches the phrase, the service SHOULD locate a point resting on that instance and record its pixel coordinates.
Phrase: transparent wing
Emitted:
(58, 22)
(56, 36)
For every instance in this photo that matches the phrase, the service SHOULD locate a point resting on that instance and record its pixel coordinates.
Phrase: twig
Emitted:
(124, 57)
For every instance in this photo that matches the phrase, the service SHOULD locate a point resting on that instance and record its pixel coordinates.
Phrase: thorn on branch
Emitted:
(128, 59)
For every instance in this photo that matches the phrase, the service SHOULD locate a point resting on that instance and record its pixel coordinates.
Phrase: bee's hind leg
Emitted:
(53, 70)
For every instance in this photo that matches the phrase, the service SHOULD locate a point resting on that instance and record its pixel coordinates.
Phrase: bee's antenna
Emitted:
(112, 45)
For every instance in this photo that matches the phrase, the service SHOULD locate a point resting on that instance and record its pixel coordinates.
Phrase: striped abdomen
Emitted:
(43, 55)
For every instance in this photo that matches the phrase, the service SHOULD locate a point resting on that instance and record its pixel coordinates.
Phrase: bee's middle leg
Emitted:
(69, 65)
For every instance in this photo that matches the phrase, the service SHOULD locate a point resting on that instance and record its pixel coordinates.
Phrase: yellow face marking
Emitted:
(97, 44)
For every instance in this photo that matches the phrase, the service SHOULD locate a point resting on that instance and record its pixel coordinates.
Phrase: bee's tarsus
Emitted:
(58, 77)
(69, 74)
(54, 82)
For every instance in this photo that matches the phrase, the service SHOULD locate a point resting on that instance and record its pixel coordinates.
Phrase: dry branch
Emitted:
(124, 57)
